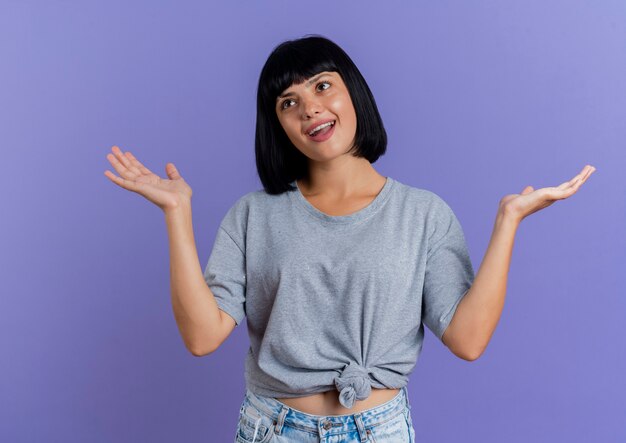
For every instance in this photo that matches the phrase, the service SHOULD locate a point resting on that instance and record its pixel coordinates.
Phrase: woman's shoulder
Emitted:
(257, 201)
(251, 208)
(427, 204)
(418, 195)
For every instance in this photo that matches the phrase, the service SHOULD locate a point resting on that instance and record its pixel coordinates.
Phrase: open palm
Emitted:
(134, 176)
(532, 200)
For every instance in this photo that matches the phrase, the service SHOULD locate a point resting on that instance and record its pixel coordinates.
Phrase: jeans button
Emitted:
(328, 425)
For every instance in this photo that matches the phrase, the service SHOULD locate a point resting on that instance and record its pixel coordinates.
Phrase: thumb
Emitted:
(172, 172)
(528, 190)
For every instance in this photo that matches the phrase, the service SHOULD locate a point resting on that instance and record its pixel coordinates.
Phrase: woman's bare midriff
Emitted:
(327, 403)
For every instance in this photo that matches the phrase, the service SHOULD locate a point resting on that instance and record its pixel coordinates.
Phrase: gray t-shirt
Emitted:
(338, 301)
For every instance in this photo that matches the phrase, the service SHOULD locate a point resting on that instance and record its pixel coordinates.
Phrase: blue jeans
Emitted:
(265, 419)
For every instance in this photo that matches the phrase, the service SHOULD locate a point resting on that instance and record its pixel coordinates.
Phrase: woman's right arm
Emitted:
(201, 323)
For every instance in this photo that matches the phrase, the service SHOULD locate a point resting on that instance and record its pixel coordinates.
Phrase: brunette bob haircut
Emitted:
(278, 161)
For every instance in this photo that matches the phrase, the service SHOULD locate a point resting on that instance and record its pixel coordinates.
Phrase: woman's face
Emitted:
(302, 107)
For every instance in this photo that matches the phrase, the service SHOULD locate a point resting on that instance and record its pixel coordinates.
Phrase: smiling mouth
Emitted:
(323, 133)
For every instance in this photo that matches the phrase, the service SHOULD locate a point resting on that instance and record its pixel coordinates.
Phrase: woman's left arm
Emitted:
(479, 311)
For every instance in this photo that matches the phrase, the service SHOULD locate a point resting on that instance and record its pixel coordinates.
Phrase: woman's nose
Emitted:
(311, 106)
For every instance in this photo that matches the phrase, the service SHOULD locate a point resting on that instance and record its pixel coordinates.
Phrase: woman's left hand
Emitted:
(519, 206)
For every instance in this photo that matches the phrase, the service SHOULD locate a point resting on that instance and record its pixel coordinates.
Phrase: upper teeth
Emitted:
(322, 126)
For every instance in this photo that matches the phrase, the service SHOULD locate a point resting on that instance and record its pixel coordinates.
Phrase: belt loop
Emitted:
(360, 426)
(281, 420)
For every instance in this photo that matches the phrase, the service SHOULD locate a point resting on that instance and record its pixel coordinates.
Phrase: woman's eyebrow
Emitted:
(308, 83)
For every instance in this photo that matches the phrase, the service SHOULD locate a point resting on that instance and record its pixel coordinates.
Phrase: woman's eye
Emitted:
(284, 104)
(321, 83)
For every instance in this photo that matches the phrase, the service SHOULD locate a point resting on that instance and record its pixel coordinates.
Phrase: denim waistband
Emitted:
(347, 422)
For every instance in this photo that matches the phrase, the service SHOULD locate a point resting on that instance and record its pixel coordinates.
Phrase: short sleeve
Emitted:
(449, 271)
(225, 273)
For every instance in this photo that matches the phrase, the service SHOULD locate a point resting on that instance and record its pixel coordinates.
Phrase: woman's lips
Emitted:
(324, 134)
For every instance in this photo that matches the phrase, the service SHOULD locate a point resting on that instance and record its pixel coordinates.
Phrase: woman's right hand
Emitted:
(166, 194)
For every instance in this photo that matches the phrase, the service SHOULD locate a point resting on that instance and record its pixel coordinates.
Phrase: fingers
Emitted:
(137, 163)
(126, 184)
(583, 175)
(527, 190)
(579, 179)
(567, 189)
(122, 164)
(128, 170)
(172, 172)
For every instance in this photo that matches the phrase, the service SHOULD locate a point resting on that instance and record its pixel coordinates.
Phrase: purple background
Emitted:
(479, 100)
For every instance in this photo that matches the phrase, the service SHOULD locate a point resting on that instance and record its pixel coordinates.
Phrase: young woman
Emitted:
(336, 267)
